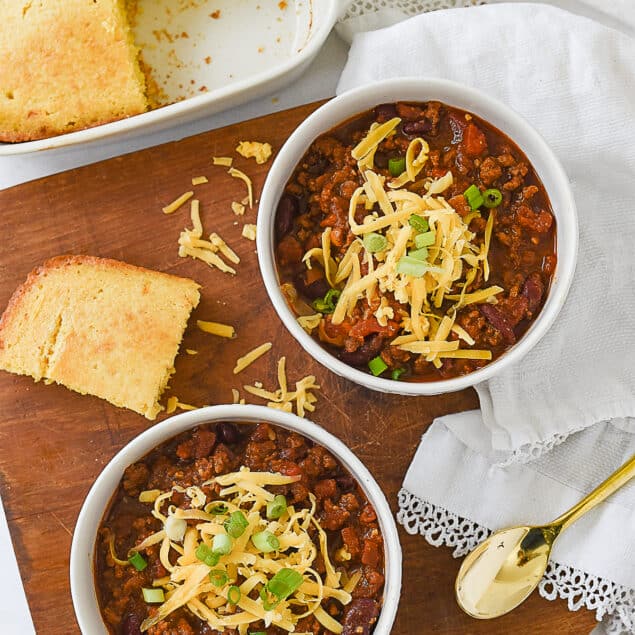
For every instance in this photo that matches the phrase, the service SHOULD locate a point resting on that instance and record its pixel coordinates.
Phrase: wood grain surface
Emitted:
(53, 442)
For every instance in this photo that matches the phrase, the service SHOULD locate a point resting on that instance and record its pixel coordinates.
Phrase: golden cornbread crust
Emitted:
(99, 327)
(66, 65)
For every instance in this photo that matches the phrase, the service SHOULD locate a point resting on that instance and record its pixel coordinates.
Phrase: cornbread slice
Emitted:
(99, 327)
(66, 65)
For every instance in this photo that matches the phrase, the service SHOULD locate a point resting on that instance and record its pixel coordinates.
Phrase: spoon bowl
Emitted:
(503, 570)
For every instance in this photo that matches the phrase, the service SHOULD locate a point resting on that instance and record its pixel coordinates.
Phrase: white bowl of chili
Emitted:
(103, 495)
(521, 166)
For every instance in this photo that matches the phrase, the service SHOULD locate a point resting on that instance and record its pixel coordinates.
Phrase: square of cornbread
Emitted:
(66, 65)
(99, 327)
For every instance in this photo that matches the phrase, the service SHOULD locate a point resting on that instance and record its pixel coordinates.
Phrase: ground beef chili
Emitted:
(521, 258)
(210, 450)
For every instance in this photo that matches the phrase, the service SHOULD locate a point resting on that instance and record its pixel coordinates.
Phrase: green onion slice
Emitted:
(236, 524)
(137, 561)
(265, 541)
(257, 633)
(277, 507)
(218, 577)
(474, 197)
(411, 266)
(397, 373)
(396, 165)
(427, 239)
(222, 544)
(206, 555)
(419, 254)
(328, 302)
(280, 587)
(374, 242)
(216, 509)
(153, 596)
(377, 366)
(233, 594)
(419, 223)
(492, 198)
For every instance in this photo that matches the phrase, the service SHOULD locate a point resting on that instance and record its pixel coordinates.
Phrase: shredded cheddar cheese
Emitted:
(250, 357)
(188, 533)
(174, 205)
(249, 231)
(238, 174)
(216, 328)
(238, 208)
(224, 161)
(199, 180)
(254, 149)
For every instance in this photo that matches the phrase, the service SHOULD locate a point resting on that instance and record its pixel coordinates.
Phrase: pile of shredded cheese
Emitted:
(301, 540)
(452, 258)
(303, 397)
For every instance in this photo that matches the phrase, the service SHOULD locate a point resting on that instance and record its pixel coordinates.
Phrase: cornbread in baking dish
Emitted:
(66, 65)
(99, 327)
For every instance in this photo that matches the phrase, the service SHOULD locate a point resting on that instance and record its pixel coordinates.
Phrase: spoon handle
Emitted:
(620, 477)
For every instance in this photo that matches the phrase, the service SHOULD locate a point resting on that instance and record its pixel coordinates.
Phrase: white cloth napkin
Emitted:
(574, 80)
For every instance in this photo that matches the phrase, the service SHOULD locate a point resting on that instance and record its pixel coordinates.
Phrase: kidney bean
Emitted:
(227, 433)
(533, 290)
(381, 160)
(499, 321)
(288, 207)
(417, 127)
(384, 112)
(131, 625)
(369, 349)
(361, 615)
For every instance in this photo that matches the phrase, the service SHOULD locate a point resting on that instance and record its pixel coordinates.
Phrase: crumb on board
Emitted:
(215, 14)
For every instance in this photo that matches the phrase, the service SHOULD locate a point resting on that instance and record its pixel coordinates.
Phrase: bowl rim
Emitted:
(467, 98)
(82, 584)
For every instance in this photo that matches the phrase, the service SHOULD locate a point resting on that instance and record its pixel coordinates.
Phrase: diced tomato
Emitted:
(474, 141)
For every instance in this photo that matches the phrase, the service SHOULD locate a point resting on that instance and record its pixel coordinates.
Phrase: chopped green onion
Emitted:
(397, 373)
(257, 633)
(216, 508)
(328, 302)
(285, 583)
(474, 196)
(374, 242)
(277, 507)
(411, 266)
(265, 541)
(218, 577)
(153, 596)
(233, 594)
(137, 561)
(206, 555)
(426, 239)
(396, 165)
(236, 524)
(377, 366)
(419, 254)
(492, 198)
(222, 544)
(419, 223)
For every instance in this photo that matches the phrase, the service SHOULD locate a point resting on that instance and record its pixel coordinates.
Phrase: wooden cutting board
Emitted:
(55, 442)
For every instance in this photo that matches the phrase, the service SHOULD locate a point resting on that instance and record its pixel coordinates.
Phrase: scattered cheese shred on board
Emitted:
(224, 161)
(171, 405)
(249, 231)
(216, 328)
(238, 174)
(174, 205)
(255, 149)
(199, 180)
(224, 248)
(191, 351)
(251, 357)
(238, 208)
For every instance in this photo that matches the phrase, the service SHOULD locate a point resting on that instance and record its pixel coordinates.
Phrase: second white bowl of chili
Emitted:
(447, 225)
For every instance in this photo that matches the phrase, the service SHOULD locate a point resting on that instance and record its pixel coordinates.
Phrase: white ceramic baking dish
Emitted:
(206, 64)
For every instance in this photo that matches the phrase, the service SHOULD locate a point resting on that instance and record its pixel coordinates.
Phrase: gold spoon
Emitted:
(504, 569)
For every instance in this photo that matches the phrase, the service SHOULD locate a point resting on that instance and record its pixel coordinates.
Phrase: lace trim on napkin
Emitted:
(408, 7)
(611, 602)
